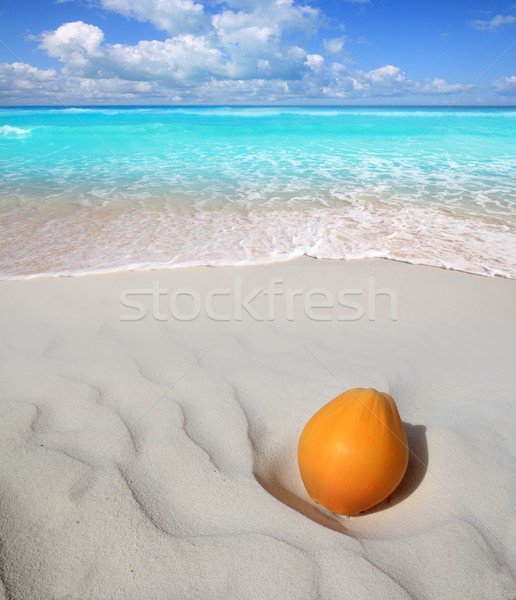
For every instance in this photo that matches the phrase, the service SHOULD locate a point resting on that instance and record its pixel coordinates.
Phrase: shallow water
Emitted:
(95, 190)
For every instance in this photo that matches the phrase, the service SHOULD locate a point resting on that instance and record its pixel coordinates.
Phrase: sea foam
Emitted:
(7, 130)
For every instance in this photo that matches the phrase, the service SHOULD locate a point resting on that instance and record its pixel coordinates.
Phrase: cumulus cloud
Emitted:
(23, 74)
(387, 74)
(493, 24)
(23, 83)
(244, 51)
(263, 34)
(506, 85)
(440, 86)
(110, 90)
(79, 46)
(242, 41)
(183, 58)
(75, 43)
(172, 16)
(18, 80)
(383, 82)
(315, 62)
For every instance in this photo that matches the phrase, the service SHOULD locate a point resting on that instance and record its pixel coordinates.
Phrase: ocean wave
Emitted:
(8, 131)
(100, 240)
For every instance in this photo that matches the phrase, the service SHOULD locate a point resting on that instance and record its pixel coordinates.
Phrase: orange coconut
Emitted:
(353, 452)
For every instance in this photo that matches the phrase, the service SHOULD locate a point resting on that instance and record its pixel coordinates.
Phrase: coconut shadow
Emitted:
(414, 475)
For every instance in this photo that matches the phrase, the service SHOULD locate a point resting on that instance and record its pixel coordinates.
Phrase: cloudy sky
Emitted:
(257, 52)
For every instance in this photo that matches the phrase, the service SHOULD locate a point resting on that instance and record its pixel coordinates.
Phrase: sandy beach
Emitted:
(257, 267)
(150, 423)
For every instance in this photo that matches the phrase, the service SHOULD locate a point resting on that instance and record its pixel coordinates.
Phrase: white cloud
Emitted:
(246, 43)
(494, 23)
(183, 58)
(79, 46)
(384, 82)
(109, 89)
(20, 79)
(315, 62)
(25, 84)
(17, 73)
(506, 85)
(388, 74)
(440, 86)
(234, 44)
(263, 34)
(73, 43)
(248, 51)
(334, 45)
(173, 16)
(158, 82)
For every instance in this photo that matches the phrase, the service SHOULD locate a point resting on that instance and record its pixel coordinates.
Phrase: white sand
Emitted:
(157, 459)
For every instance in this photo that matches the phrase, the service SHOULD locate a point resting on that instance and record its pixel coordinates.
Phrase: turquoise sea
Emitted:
(109, 189)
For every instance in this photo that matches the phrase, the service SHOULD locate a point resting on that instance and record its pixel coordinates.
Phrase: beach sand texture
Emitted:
(156, 459)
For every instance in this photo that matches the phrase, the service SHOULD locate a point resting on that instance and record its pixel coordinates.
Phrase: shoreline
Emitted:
(238, 265)
(238, 186)
(157, 456)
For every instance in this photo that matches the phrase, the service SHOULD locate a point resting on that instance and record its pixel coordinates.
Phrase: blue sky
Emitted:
(257, 52)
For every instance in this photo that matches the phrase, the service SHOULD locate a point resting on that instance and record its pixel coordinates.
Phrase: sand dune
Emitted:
(157, 458)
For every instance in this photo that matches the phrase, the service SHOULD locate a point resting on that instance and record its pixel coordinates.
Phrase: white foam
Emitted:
(8, 131)
(101, 239)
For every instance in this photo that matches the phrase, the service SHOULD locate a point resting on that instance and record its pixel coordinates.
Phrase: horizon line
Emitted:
(444, 106)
